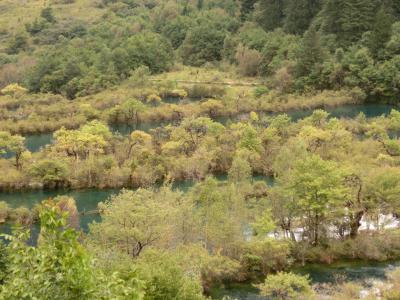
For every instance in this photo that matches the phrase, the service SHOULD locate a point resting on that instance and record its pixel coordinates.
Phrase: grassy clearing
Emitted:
(14, 14)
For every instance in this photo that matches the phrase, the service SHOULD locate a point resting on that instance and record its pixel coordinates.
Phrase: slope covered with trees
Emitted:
(317, 45)
(209, 120)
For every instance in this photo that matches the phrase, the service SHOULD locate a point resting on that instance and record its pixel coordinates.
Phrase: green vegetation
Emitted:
(142, 96)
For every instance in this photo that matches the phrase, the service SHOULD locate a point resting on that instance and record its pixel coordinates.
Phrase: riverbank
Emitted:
(145, 159)
(44, 116)
(322, 277)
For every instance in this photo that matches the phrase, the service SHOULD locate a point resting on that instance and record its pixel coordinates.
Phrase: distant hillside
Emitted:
(80, 47)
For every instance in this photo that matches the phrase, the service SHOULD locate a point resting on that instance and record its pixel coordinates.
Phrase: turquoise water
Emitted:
(357, 271)
(86, 199)
(348, 111)
(35, 142)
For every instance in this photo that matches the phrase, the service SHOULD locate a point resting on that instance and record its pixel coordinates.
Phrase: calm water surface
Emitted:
(358, 271)
(87, 199)
(35, 142)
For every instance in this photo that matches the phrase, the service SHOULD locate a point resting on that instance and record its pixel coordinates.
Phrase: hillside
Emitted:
(199, 149)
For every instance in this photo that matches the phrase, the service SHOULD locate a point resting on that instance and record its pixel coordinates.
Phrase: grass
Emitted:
(14, 14)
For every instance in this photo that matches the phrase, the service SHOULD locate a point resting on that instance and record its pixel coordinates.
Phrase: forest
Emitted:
(199, 149)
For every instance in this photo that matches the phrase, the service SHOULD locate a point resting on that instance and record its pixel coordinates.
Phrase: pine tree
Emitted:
(299, 14)
(311, 52)
(348, 19)
(246, 7)
(357, 18)
(381, 32)
(200, 4)
(331, 16)
(270, 13)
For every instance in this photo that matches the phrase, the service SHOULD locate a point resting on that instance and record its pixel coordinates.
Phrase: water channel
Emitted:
(357, 271)
(88, 200)
(35, 142)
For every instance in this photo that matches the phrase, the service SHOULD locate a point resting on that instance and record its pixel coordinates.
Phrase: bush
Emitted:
(50, 172)
(286, 286)
(248, 60)
(166, 279)
(4, 211)
(21, 215)
(14, 90)
(205, 91)
(203, 43)
(259, 91)
(18, 43)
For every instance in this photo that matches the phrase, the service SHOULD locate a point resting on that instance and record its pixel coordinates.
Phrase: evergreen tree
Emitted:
(200, 4)
(47, 14)
(358, 16)
(331, 16)
(299, 14)
(347, 19)
(381, 32)
(270, 13)
(310, 53)
(246, 7)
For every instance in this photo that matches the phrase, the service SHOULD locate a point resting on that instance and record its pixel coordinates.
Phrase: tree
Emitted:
(246, 8)
(200, 4)
(248, 60)
(129, 111)
(381, 188)
(218, 211)
(393, 45)
(139, 139)
(240, 171)
(347, 19)
(175, 30)
(47, 14)
(270, 13)
(286, 286)
(310, 53)
(50, 172)
(380, 33)
(318, 190)
(203, 43)
(90, 139)
(14, 144)
(133, 221)
(166, 278)
(59, 267)
(299, 14)
(18, 43)
(149, 49)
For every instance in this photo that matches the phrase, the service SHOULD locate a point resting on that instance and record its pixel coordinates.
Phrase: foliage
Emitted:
(59, 267)
(286, 286)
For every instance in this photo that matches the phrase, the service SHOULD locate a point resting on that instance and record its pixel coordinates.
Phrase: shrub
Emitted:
(4, 211)
(14, 90)
(248, 60)
(286, 286)
(18, 43)
(259, 91)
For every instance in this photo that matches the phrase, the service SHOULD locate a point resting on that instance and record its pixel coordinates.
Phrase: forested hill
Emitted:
(80, 47)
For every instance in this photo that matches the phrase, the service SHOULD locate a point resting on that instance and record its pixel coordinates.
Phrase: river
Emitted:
(35, 142)
(88, 200)
(357, 271)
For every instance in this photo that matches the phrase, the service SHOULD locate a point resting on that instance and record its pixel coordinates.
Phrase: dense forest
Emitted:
(237, 141)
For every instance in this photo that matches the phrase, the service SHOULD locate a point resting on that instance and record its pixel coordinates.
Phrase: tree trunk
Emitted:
(355, 223)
